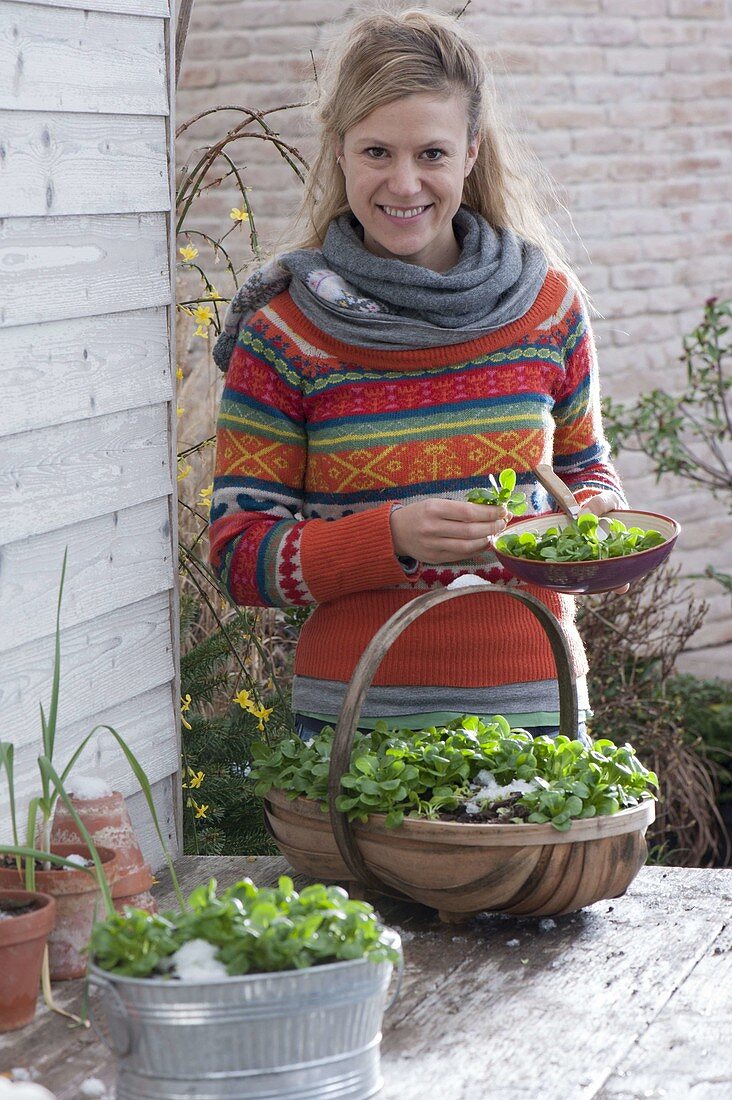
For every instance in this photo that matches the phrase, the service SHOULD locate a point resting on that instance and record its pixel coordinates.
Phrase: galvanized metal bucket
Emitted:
(293, 1035)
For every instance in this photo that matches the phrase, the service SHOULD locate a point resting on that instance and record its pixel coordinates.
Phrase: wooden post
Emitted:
(181, 30)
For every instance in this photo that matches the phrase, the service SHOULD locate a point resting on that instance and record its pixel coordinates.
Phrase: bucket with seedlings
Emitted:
(252, 993)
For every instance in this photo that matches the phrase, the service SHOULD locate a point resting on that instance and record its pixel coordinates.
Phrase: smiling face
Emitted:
(404, 166)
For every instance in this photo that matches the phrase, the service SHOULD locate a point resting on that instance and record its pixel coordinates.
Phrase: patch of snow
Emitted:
(78, 861)
(404, 934)
(512, 943)
(20, 1073)
(466, 580)
(93, 1087)
(88, 786)
(485, 788)
(23, 1089)
(547, 924)
(195, 961)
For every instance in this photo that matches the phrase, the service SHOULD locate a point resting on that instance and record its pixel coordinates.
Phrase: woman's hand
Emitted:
(439, 530)
(607, 501)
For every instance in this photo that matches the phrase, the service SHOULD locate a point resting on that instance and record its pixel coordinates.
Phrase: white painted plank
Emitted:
(146, 723)
(71, 370)
(54, 268)
(113, 560)
(165, 795)
(61, 59)
(63, 475)
(82, 164)
(103, 662)
(154, 8)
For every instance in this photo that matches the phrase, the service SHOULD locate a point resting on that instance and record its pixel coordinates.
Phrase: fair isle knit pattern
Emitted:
(318, 441)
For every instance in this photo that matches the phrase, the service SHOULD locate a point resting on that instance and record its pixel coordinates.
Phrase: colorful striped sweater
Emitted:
(318, 440)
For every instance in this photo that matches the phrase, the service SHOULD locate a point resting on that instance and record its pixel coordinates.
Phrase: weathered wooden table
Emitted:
(626, 999)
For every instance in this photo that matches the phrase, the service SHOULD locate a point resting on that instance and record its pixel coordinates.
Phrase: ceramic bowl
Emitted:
(584, 577)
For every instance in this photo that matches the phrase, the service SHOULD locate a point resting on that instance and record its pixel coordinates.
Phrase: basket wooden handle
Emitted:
(371, 658)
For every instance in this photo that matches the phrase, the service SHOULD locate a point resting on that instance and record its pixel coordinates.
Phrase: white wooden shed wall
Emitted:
(87, 404)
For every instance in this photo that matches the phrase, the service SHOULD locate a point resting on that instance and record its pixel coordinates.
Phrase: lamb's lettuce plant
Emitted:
(502, 491)
(256, 930)
(579, 541)
(425, 773)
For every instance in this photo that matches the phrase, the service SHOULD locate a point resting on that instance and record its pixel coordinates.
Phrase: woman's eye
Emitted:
(376, 152)
(433, 154)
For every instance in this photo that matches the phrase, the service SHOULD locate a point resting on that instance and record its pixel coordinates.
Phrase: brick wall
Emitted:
(627, 103)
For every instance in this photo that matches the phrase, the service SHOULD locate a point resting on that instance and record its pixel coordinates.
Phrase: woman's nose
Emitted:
(404, 178)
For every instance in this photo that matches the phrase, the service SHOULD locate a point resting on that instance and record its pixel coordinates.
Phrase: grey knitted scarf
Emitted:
(372, 302)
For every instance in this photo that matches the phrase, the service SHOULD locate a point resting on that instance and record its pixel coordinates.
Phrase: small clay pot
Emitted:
(108, 823)
(78, 904)
(23, 937)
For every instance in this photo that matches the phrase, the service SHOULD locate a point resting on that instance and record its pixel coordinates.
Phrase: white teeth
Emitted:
(395, 213)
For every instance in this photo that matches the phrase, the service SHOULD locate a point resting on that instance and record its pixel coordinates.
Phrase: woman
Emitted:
(425, 335)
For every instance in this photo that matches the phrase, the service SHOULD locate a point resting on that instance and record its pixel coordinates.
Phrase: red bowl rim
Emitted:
(615, 513)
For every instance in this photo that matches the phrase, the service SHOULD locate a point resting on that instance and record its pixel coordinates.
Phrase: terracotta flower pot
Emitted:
(462, 869)
(23, 937)
(108, 823)
(78, 904)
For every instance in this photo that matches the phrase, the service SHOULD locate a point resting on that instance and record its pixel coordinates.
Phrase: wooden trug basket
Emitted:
(461, 869)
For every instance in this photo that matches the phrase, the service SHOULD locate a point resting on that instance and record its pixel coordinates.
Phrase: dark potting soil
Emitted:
(500, 813)
(16, 908)
(9, 862)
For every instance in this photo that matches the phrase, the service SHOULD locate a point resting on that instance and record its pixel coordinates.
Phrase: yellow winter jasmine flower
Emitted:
(200, 810)
(262, 713)
(179, 410)
(204, 498)
(201, 331)
(185, 705)
(183, 469)
(188, 253)
(179, 374)
(202, 315)
(244, 699)
(213, 294)
(196, 778)
(239, 215)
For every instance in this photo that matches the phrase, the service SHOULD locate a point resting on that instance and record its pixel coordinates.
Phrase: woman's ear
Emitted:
(471, 156)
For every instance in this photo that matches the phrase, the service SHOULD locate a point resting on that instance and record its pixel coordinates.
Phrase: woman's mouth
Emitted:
(402, 213)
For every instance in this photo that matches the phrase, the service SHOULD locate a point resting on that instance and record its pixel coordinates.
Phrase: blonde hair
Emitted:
(387, 55)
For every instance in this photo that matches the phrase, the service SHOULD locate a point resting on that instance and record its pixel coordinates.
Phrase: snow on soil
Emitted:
(77, 860)
(195, 962)
(485, 788)
(88, 786)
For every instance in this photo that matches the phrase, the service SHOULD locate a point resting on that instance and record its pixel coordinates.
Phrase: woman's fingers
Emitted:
(443, 530)
(606, 501)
